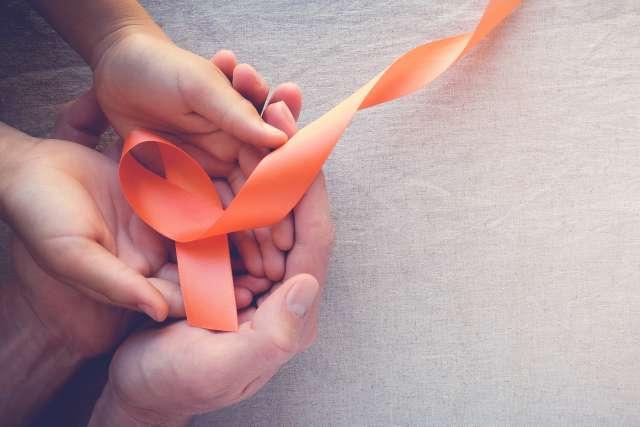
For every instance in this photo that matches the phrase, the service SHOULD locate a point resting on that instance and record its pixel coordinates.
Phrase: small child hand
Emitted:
(144, 80)
(63, 201)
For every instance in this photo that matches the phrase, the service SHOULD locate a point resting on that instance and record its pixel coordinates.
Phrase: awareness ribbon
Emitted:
(184, 204)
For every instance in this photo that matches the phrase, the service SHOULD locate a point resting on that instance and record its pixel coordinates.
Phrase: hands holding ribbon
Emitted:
(164, 376)
(79, 245)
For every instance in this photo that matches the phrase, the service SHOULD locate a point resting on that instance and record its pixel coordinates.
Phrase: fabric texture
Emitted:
(486, 265)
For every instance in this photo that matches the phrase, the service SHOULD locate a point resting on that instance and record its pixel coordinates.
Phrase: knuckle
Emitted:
(280, 348)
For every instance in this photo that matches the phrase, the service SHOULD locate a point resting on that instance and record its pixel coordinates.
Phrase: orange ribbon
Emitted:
(184, 204)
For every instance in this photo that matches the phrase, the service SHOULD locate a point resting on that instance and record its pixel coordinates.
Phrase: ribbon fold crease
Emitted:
(184, 204)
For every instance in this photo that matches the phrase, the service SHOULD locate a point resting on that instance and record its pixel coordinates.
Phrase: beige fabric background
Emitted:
(486, 268)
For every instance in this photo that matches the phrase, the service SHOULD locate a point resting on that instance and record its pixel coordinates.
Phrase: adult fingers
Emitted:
(256, 285)
(281, 321)
(313, 233)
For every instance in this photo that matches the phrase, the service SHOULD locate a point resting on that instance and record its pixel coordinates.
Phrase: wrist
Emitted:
(121, 30)
(111, 410)
(90, 27)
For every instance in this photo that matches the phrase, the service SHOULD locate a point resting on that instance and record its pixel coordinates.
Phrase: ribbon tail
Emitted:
(206, 281)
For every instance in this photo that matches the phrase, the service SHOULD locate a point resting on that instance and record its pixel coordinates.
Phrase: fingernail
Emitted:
(302, 295)
(149, 311)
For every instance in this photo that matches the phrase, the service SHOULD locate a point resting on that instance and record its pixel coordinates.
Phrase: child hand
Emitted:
(63, 201)
(92, 327)
(144, 80)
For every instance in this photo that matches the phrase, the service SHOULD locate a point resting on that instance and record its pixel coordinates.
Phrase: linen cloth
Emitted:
(486, 265)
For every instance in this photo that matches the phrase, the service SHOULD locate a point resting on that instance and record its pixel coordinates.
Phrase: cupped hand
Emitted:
(146, 81)
(76, 229)
(78, 244)
(230, 161)
(168, 374)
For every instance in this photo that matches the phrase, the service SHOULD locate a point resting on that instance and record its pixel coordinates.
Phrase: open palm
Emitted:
(167, 374)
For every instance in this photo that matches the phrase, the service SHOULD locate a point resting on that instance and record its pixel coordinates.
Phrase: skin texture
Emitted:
(142, 79)
(106, 253)
(154, 380)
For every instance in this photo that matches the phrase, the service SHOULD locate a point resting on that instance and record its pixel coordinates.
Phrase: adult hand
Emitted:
(168, 374)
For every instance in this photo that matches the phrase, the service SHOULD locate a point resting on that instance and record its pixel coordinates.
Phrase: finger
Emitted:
(244, 240)
(172, 295)
(273, 259)
(281, 321)
(313, 240)
(291, 95)
(278, 115)
(280, 236)
(267, 338)
(89, 266)
(226, 61)
(166, 281)
(209, 94)
(244, 297)
(313, 233)
(81, 120)
(266, 295)
(250, 84)
(284, 107)
(256, 285)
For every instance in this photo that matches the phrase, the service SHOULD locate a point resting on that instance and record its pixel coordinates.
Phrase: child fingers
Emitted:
(171, 294)
(87, 265)
(282, 234)
(278, 115)
(273, 258)
(244, 240)
(250, 84)
(244, 297)
(256, 285)
(226, 61)
(290, 94)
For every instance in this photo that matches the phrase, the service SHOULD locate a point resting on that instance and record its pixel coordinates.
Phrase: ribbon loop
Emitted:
(185, 205)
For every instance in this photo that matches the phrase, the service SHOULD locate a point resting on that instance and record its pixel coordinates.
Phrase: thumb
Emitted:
(212, 96)
(281, 320)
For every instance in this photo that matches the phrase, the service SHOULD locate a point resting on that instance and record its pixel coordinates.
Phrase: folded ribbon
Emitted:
(184, 204)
